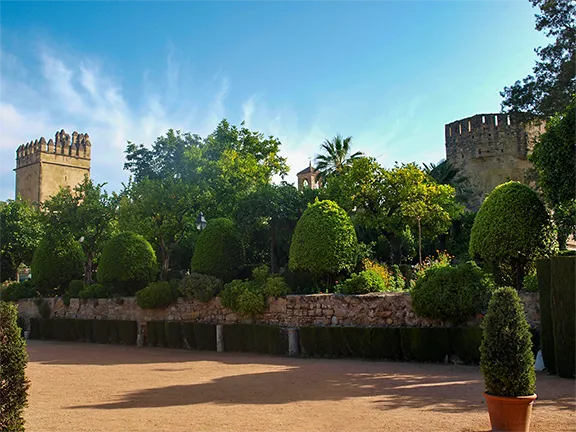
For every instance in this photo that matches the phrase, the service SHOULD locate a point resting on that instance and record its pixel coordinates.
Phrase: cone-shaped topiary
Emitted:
(512, 229)
(13, 361)
(219, 251)
(324, 241)
(506, 358)
(128, 264)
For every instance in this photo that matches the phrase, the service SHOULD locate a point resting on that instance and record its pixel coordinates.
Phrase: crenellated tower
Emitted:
(491, 149)
(43, 167)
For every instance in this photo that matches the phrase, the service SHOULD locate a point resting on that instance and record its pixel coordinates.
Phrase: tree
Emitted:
(550, 88)
(85, 213)
(336, 156)
(20, 231)
(511, 229)
(447, 174)
(163, 211)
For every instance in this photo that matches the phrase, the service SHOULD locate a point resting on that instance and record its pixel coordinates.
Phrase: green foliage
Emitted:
(543, 267)
(187, 335)
(465, 343)
(275, 286)
(251, 302)
(336, 156)
(56, 262)
(74, 288)
(17, 290)
(200, 286)
(156, 295)
(20, 233)
(530, 283)
(506, 358)
(425, 344)
(324, 241)
(452, 293)
(553, 84)
(367, 281)
(219, 252)
(512, 228)
(100, 331)
(563, 303)
(13, 385)
(458, 241)
(128, 263)
(263, 339)
(93, 291)
(232, 290)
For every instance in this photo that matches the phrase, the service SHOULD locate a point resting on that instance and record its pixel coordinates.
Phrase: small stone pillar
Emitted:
(140, 338)
(219, 338)
(293, 342)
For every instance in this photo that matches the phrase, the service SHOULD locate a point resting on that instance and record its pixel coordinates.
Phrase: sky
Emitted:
(389, 74)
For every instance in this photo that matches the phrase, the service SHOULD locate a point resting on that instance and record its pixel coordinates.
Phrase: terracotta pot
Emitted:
(510, 414)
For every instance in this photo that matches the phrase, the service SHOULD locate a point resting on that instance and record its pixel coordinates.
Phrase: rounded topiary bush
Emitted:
(512, 229)
(506, 358)
(14, 358)
(200, 286)
(452, 293)
(128, 264)
(156, 295)
(219, 251)
(56, 262)
(366, 281)
(324, 241)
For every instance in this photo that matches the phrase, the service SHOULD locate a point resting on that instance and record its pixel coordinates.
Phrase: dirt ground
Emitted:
(90, 387)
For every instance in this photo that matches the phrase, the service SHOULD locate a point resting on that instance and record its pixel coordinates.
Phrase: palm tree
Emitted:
(446, 173)
(336, 156)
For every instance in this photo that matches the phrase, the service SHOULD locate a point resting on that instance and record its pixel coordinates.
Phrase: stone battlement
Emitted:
(77, 146)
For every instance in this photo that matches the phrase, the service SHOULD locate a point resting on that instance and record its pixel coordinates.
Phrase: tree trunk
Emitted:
(88, 268)
(420, 242)
(519, 274)
(165, 264)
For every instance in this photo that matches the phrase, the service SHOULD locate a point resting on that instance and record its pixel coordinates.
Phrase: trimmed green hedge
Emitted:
(263, 339)
(99, 331)
(546, 328)
(563, 287)
(174, 334)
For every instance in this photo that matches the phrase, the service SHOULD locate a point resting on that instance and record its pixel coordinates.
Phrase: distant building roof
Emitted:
(307, 170)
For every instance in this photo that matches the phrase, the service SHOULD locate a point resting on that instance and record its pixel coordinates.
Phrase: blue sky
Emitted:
(390, 74)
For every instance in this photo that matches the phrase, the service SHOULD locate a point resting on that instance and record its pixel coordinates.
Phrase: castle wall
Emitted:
(491, 149)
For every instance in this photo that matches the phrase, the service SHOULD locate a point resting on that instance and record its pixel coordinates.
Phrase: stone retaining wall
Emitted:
(379, 310)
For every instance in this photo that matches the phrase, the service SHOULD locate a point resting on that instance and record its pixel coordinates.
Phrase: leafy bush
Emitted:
(128, 263)
(506, 358)
(393, 277)
(366, 281)
(452, 293)
(275, 286)
(13, 385)
(93, 291)
(219, 251)
(200, 286)
(512, 228)
(229, 295)
(17, 290)
(55, 263)
(156, 295)
(251, 302)
(324, 241)
(530, 283)
(74, 288)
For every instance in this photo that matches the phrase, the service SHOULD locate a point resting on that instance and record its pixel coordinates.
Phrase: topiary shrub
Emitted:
(74, 288)
(512, 229)
(128, 263)
(543, 267)
(200, 286)
(366, 281)
(452, 293)
(18, 290)
(219, 251)
(93, 291)
(324, 241)
(156, 295)
(13, 360)
(562, 302)
(506, 358)
(55, 263)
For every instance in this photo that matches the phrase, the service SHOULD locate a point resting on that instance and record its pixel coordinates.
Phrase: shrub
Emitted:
(543, 268)
(93, 291)
(200, 286)
(366, 281)
(14, 384)
(251, 302)
(275, 286)
(18, 290)
(74, 288)
(55, 263)
(128, 263)
(506, 358)
(219, 251)
(393, 278)
(530, 283)
(563, 299)
(512, 228)
(452, 293)
(156, 295)
(324, 241)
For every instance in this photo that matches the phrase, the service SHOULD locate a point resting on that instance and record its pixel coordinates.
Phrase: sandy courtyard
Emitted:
(90, 387)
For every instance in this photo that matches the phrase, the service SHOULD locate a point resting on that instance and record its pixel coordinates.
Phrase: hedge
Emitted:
(563, 287)
(263, 339)
(84, 330)
(174, 334)
(546, 328)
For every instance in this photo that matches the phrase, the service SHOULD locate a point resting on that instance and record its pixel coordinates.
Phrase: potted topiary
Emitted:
(507, 363)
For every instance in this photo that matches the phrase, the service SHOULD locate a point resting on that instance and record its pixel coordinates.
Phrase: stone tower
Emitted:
(307, 178)
(491, 149)
(43, 167)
